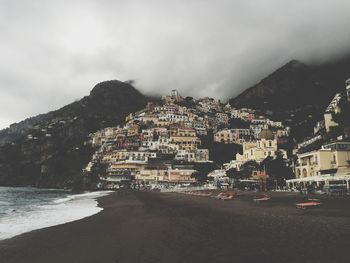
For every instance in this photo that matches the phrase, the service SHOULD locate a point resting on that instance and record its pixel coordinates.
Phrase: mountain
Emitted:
(50, 150)
(17, 130)
(295, 85)
(297, 91)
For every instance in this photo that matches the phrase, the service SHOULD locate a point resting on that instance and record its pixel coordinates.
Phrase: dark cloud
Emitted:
(54, 52)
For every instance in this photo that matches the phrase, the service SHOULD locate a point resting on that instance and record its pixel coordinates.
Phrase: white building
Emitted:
(347, 86)
(330, 111)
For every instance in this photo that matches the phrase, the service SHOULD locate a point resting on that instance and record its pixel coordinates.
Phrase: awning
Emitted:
(321, 178)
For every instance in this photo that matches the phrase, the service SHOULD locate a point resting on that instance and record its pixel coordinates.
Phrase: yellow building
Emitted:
(260, 149)
(130, 166)
(161, 123)
(115, 156)
(111, 133)
(185, 139)
(226, 136)
(150, 175)
(133, 131)
(180, 175)
(231, 135)
(257, 150)
(330, 159)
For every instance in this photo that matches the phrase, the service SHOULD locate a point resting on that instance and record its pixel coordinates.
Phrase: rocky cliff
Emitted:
(51, 150)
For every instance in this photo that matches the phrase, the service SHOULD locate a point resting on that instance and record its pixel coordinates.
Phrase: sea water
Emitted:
(26, 209)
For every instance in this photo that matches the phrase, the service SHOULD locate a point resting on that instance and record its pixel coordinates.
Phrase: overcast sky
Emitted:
(53, 52)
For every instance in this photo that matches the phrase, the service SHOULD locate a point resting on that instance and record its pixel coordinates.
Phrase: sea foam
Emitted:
(58, 211)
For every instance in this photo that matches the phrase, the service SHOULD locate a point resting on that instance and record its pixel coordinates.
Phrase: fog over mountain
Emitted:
(53, 52)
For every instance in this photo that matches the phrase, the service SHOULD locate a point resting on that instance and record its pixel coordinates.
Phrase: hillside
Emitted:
(295, 85)
(297, 93)
(49, 150)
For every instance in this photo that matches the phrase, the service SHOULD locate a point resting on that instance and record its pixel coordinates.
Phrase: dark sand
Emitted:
(154, 227)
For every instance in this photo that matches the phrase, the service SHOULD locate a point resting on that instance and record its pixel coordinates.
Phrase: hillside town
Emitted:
(169, 145)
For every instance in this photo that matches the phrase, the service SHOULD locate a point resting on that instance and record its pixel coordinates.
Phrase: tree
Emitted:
(247, 169)
(188, 102)
(220, 152)
(202, 171)
(232, 173)
(277, 168)
(238, 123)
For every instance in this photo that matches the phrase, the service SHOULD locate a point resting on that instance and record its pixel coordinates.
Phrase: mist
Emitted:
(53, 52)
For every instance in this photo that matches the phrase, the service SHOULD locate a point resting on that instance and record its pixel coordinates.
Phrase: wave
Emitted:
(59, 211)
(79, 196)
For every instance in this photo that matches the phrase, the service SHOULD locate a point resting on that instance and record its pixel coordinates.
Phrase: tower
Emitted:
(347, 85)
(175, 93)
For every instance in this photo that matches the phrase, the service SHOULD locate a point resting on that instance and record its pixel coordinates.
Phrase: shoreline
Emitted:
(168, 227)
(54, 211)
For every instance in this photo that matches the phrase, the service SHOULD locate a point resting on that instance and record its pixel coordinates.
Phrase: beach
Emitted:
(137, 226)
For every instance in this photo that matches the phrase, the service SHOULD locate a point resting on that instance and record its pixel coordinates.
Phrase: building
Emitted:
(108, 134)
(115, 156)
(162, 144)
(184, 155)
(133, 130)
(185, 139)
(202, 155)
(260, 149)
(126, 167)
(347, 86)
(231, 135)
(226, 136)
(198, 155)
(171, 117)
(141, 156)
(324, 169)
(222, 118)
(180, 175)
(200, 125)
(256, 129)
(151, 175)
(175, 95)
(330, 159)
(330, 111)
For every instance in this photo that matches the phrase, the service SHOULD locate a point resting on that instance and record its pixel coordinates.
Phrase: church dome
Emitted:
(266, 134)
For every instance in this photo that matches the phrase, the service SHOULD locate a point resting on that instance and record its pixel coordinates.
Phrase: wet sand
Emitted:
(167, 227)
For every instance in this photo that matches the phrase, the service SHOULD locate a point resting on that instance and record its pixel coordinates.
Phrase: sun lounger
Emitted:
(313, 199)
(306, 205)
(228, 196)
(262, 199)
